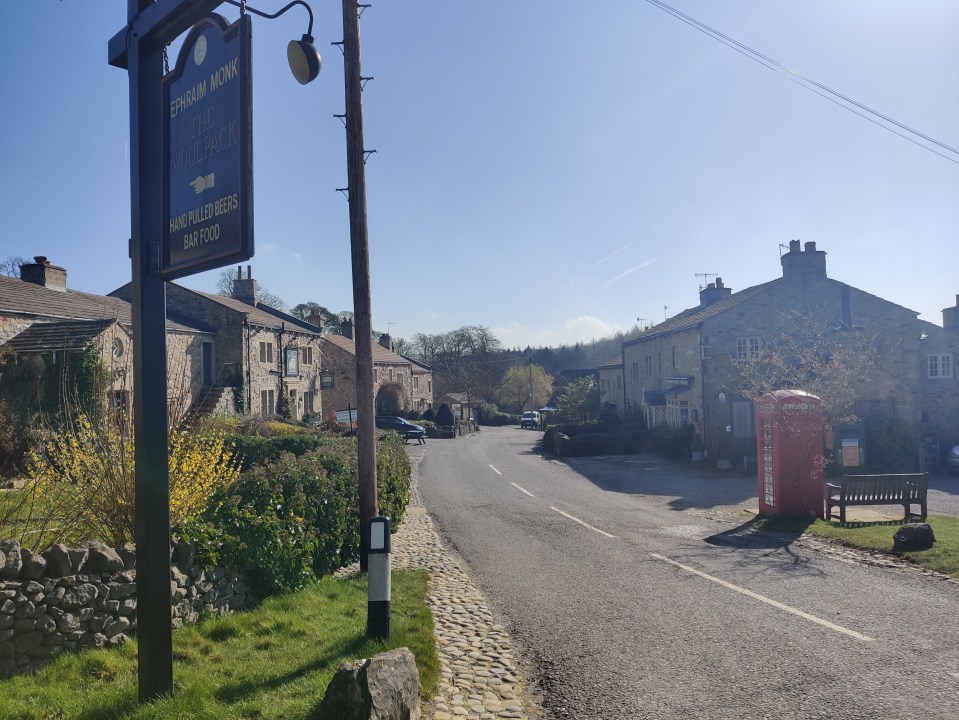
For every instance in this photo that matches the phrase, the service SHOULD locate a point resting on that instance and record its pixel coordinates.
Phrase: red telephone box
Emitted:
(789, 438)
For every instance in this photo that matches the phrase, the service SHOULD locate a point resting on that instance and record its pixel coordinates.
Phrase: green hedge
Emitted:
(257, 450)
(290, 521)
(571, 440)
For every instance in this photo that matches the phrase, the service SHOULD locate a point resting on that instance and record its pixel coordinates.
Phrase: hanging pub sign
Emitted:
(207, 139)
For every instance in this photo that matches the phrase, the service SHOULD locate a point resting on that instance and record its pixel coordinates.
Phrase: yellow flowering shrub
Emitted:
(84, 477)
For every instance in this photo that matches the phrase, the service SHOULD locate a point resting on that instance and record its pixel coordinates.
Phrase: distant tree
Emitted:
(513, 392)
(403, 347)
(580, 399)
(10, 266)
(224, 287)
(329, 319)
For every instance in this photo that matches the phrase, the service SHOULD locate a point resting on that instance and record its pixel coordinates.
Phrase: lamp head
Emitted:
(304, 59)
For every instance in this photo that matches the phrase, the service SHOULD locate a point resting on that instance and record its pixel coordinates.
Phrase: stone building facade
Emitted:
(255, 358)
(611, 399)
(41, 317)
(399, 384)
(686, 371)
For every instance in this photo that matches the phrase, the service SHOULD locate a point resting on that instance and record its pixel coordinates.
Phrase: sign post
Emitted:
(138, 48)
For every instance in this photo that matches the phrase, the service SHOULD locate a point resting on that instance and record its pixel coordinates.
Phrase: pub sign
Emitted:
(207, 140)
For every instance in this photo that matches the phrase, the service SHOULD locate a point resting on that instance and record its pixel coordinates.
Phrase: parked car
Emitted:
(404, 427)
(530, 419)
(952, 462)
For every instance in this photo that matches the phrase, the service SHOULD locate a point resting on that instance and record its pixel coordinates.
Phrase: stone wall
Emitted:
(70, 599)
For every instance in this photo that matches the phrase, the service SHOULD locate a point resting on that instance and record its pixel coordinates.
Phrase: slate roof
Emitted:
(18, 297)
(60, 335)
(694, 316)
(261, 315)
(380, 353)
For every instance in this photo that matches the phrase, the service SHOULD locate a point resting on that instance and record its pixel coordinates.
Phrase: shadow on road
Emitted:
(683, 485)
(754, 534)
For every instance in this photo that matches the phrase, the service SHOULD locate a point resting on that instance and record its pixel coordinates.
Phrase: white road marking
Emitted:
(768, 601)
(586, 525)
(524, 490)
(495, 470)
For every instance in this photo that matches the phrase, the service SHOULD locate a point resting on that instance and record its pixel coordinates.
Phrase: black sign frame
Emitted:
(211, 247)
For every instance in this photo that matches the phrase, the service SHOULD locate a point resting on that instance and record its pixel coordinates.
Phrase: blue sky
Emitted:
(551, 169)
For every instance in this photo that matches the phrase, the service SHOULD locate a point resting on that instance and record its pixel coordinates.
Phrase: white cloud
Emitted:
(584, 328)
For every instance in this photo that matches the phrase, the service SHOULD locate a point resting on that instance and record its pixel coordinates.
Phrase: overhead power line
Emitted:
(824, 91)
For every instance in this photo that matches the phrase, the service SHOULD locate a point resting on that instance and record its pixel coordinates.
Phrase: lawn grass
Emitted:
(272, 662)
(942, 557)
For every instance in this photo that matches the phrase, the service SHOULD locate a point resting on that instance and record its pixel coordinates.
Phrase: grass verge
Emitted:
(942, 557)
(272, 662)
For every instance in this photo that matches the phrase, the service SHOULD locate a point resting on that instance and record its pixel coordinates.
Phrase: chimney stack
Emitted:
(42, 272)
(713, 292)
(950, 317)
(244, 290)
(346, 328)
(315, 318)
(386, 341)
(804, 266)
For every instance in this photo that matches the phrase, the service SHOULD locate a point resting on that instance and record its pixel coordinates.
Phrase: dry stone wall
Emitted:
(70, 599)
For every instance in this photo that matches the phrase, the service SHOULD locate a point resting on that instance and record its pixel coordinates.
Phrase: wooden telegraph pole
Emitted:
(359, 244)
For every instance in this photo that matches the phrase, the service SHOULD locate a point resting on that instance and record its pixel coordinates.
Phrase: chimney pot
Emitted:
(794, 246)
(810, 246)
(43, 272)
(719, 282)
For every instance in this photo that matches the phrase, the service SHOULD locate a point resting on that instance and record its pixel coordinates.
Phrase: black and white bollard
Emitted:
(378, 580)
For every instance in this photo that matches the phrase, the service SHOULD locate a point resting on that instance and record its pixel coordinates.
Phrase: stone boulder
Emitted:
(10, 560)
(913, 536)
(102, 559)
(58, 561)
(384, 687)
(33, 565)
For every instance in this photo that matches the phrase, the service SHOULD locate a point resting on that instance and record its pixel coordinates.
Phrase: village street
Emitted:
(635, 588)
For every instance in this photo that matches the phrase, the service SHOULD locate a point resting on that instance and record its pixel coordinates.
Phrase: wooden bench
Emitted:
(904, 489)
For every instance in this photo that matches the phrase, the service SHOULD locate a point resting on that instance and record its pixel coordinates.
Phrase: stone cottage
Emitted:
(687, 371)
(255, 360)
(41, 317)
(399, 383)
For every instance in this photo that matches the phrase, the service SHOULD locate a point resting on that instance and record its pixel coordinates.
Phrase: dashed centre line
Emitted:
(584, 524)
(523, 490)
(768, 601)
(495, 470)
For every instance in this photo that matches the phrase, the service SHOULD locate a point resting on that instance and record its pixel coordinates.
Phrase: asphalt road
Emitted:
(636, 589)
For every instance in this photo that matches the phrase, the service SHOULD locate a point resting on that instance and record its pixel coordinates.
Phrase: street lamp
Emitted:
(304, 58)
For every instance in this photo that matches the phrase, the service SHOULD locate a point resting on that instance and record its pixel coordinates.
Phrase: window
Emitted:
(326, 380)
(747, 348)
(308, 401)
(267, 402)
(674, 357)
(292, 364)
(266, 352)
(940, 366)
(635, 372)
(307, 356)
(416, 383)
(619, 382)
(649, 365)
(605, 386)
(677, 412)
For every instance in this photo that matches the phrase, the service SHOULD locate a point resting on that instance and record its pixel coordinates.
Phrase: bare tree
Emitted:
(10, 266)
(224, 287)
(831, 363)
